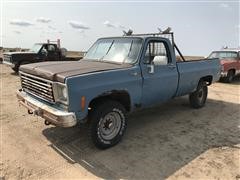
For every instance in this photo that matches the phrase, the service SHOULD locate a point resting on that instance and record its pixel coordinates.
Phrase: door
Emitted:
(160, 84)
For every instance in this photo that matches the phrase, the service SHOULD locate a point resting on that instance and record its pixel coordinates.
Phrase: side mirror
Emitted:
(160, 60)
(150, 68)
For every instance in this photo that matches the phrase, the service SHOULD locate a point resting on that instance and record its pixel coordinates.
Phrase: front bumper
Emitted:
(8, 63)
(53, 115)
(223, 74)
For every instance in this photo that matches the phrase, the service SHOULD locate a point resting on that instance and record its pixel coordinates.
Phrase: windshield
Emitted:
(122, 50)
(223, 55)
(36, 48)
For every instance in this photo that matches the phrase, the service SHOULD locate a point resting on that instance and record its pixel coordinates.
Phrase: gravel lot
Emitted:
(169, 141)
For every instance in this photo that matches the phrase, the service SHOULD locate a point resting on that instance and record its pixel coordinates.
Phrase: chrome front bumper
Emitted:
(223, 74)
(54, 116)
(8, 63)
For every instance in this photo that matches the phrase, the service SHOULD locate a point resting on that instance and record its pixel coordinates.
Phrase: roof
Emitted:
(112, 37)
(132, 36)
(163, 35)
(229, 50)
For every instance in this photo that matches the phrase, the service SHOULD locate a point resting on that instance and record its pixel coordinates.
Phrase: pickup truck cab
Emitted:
(230, 61)
(40, 52)
(117, 76)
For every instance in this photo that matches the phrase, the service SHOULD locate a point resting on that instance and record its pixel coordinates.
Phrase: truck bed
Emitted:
(191, 71)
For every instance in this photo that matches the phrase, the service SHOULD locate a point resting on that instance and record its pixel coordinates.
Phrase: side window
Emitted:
(156, 52)
(51, 48)
(44, 50)
(234, 55)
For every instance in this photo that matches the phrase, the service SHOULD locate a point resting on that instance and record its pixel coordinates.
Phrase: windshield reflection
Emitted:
(36, 48)
(120, 50)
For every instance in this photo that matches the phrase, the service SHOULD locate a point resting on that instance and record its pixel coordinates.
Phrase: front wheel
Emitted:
(198, 98)
(107, 124)
(16, 68)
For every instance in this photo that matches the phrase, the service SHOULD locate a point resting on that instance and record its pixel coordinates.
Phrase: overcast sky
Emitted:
(199, 27)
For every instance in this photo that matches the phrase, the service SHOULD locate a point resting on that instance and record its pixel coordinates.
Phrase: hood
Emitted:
(17, 53)
(58, 71)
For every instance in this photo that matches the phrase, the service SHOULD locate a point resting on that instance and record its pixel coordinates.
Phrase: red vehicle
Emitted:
(230, 61)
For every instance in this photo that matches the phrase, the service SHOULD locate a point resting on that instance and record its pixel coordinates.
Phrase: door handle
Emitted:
(133, 73)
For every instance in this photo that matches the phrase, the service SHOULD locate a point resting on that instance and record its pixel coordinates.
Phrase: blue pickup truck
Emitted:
(118, 75)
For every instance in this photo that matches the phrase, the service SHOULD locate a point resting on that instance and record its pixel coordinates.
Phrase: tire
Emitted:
(16, 68)
(221, 79)
(107, 123)
(230, 76)
(198, 98)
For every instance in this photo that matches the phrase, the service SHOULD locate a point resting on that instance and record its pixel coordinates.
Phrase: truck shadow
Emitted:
(158, 142)
(14, 74)
(236, 81)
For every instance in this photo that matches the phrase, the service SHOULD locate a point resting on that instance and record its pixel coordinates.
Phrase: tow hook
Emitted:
(30, 112)
(47, 123)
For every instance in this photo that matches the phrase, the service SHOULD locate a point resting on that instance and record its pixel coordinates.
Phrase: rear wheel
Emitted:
(198, 98)
(107, 123)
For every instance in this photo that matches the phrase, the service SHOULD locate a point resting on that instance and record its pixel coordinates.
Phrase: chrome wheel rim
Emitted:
(200, 95)
(110, 125)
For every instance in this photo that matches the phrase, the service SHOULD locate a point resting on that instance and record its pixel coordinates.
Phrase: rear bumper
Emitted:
(53, 115)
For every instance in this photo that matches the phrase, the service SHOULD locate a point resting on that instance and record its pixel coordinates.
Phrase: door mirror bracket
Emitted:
(151, 68)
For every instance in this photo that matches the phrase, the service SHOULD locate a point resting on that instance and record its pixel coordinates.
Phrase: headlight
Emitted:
(60, 93)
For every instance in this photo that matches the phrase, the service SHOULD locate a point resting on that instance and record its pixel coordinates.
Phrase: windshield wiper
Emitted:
(101, 59)
(130, 49)
(111, 62)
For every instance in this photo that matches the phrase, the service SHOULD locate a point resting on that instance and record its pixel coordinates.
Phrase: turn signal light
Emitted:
(83, 102)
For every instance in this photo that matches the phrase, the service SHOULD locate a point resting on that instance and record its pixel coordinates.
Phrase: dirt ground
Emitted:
(171, 141)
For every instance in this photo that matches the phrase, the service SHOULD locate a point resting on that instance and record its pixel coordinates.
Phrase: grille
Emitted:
(38, 87)
(7, 58)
